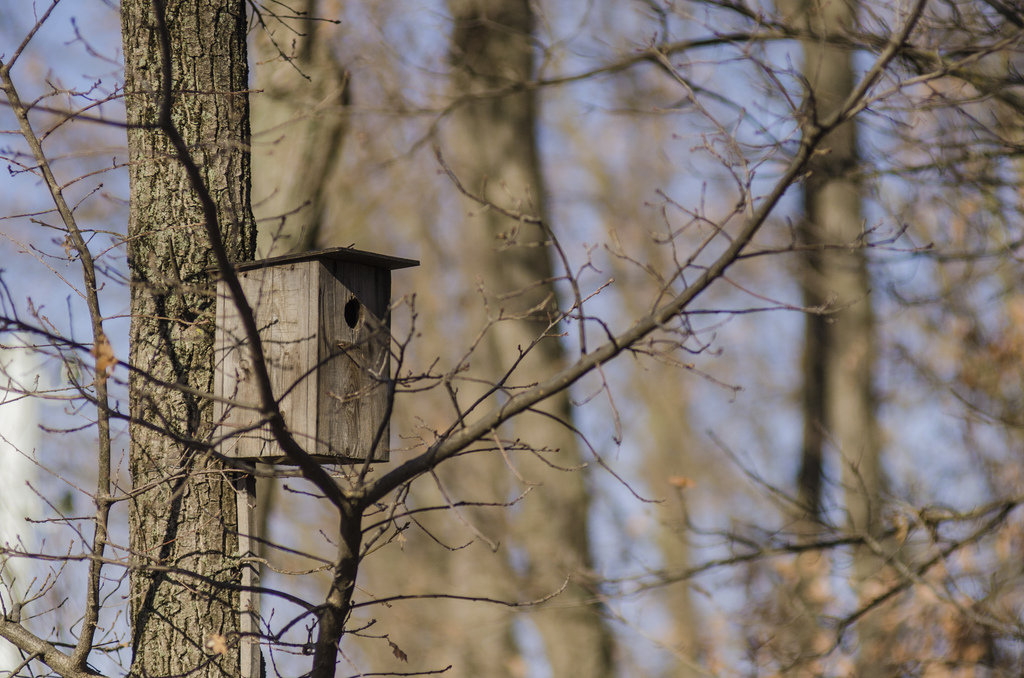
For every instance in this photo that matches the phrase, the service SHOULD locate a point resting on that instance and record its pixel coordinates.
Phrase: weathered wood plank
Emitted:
(248, 599)
(325, 329)
(354, 348)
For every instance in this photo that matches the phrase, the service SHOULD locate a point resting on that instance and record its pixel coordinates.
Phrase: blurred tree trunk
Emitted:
(840, 352)
(493, 144)
(663, 465)
(298, 120)
(661, 395)
(183, 515)
(19, 437)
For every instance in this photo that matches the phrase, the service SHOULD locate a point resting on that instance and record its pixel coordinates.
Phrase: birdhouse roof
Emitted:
(344, 254)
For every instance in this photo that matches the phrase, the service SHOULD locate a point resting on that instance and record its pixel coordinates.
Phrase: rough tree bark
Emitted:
(183, 509)
(495, 155)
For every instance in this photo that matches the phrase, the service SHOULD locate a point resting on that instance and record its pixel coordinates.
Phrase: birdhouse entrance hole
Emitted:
(352, 312)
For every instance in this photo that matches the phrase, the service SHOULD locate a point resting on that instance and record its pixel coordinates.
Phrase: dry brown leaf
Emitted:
(901, 527)
(397, 651)
(217, 644)
(682, 482)
(105, 360)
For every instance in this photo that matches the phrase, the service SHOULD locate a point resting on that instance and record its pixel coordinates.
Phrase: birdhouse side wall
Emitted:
(354, 351)
(283, 299)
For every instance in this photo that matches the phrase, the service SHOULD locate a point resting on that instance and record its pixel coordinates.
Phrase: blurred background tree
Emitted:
(813, 469)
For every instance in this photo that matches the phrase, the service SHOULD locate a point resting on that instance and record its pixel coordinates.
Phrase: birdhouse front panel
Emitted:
(355, 355)
(324, 323)
(281, 298)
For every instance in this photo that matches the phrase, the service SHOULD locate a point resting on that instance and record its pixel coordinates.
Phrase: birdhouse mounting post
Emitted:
(324, 324)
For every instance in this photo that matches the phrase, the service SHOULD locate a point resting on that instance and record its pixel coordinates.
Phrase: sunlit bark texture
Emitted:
(493, 150)
(182, 514)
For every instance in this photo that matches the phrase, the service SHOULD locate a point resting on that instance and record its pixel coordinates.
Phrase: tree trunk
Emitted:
(666, 457)
(494, 153)
(840, 351)
(299, 123)
(19, 437)
(183, 511)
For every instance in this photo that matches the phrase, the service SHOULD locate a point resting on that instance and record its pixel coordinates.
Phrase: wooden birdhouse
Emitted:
(325, 327)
